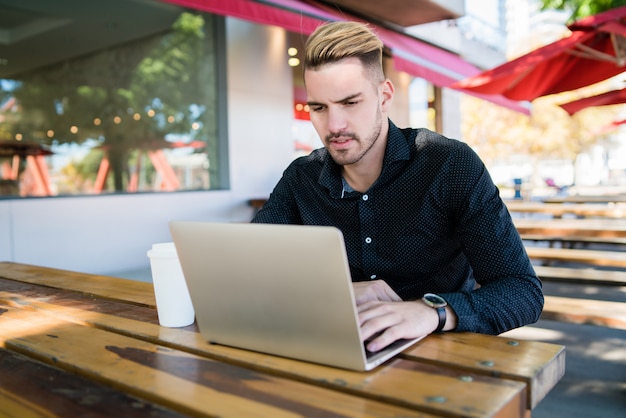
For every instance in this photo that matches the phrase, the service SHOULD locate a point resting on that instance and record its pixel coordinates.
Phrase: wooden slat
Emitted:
(559, 209)
(582, 275)
(572, 227)
(539, 365)
(582, 199)
(585, 311)
(457, 358)
(185, 382)
(104, 286)
(51, 392)
(573, 239)
(570, 255)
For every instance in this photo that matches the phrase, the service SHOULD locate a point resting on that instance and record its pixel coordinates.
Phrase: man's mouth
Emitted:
(341, 143)
(341, 140)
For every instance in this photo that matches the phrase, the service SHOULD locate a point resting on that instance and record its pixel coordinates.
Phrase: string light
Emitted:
(293, 61)
(136, 116)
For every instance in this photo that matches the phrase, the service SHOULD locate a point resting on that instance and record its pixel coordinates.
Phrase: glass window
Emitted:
(304, 135)
(423, 104)
(109, 96)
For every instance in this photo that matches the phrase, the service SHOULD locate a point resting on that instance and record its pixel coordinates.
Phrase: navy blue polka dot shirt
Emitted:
(432, 222)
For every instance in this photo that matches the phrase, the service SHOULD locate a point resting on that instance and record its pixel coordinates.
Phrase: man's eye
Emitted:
(316, 108)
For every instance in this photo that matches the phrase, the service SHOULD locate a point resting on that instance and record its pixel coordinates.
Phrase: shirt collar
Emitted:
(398, 149)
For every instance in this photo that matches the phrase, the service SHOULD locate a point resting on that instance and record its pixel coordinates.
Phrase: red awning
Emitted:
(291, 15)
(410, 55)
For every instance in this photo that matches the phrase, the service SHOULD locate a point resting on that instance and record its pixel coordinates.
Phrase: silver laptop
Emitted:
(278, 289)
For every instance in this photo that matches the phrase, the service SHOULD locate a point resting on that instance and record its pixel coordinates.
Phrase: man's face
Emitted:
(347, 109)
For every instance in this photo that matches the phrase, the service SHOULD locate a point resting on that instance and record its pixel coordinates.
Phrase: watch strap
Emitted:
(442, 319)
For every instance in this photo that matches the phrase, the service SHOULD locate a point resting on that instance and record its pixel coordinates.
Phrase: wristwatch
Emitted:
(438, 303)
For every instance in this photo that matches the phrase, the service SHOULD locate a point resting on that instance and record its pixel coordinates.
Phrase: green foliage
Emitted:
(128, 98)
(499, 134)
(581, 8)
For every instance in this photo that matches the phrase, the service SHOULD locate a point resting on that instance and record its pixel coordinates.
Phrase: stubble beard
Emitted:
(344, 157)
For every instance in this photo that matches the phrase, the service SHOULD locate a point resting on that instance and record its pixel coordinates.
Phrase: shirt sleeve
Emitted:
(509, 294)
(280, 207)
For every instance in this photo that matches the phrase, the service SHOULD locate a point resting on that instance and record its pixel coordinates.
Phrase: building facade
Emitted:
(220, 131)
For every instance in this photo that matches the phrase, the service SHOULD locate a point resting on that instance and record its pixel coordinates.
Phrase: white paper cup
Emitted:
(170, 290)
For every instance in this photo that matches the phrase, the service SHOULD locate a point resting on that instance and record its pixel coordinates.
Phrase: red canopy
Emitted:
(604, 99)
(410, 55)
(594, 51)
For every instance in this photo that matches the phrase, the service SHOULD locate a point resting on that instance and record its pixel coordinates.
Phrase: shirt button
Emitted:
(368, 240)
(365, 197)
(373, 276)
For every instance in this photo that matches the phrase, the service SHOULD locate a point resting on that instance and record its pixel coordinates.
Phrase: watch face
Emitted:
(435, 301)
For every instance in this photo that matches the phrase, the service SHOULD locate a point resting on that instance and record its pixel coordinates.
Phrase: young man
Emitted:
(419, 213)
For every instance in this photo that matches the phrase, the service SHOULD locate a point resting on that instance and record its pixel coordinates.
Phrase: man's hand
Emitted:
(374, 290)
(394, 321)
(382, 312)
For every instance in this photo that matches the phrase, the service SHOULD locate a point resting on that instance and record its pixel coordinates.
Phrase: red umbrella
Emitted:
(594, 51)
(609, 127)
(604, 99)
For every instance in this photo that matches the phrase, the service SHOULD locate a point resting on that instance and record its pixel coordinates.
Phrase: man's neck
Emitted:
(364, 173)
(361, 178)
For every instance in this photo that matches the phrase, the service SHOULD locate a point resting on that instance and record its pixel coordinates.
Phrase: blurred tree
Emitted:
(500, 135)
(581, 8)
(128, 98)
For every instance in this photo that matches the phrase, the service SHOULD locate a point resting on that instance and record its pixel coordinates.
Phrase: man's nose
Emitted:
(337, 121)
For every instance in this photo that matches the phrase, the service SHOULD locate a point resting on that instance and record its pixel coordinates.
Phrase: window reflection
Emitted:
(138, 116)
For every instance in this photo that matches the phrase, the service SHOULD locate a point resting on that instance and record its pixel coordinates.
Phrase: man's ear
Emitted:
(386, 93)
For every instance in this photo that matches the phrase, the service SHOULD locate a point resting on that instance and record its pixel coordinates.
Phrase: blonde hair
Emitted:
(332, 42)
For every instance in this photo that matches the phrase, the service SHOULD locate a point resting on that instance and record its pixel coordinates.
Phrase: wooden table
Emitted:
(570, 255)
(606, 198)
(73, 344)
(571, 227)
(557, 210)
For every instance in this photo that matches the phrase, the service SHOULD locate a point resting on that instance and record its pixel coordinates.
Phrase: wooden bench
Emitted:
(582, 199)
(565, 228)
(585, 311)
(587, 276)
(257, 204)
(558, 210)
(570, 255)
(571, 241)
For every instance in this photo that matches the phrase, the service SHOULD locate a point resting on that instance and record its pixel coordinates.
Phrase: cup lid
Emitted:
(163, 249)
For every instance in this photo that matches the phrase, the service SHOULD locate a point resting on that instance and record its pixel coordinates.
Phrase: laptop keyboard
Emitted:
(392, 346)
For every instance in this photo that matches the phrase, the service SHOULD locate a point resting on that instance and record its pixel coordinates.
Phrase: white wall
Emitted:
(451, 108)
(106, 234)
